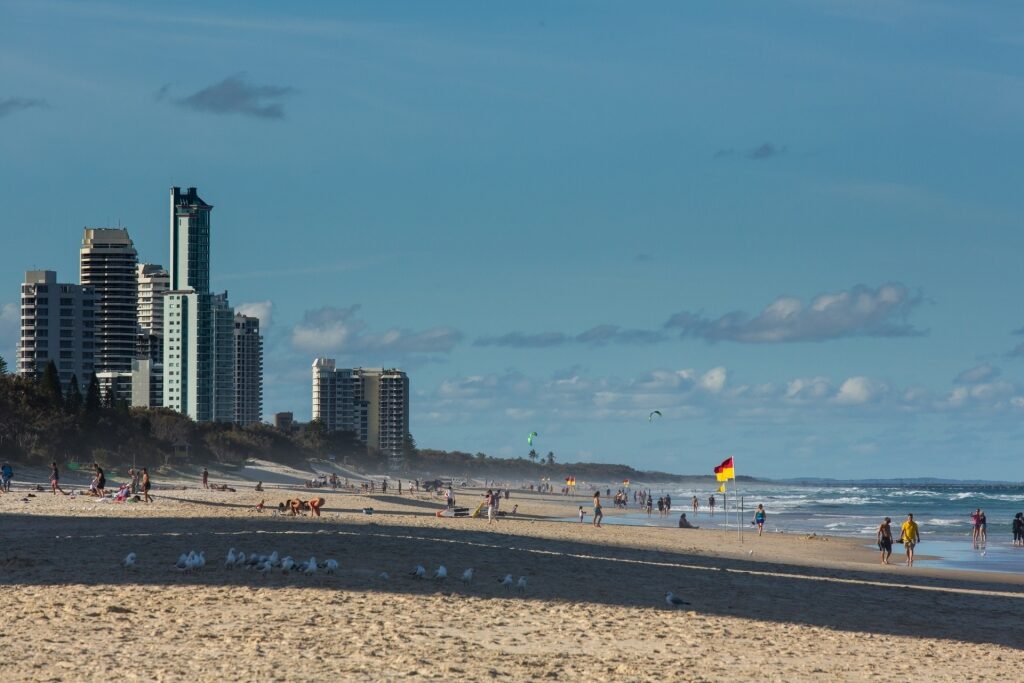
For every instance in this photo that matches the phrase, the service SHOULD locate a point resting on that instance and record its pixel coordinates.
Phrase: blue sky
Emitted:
(792, 227)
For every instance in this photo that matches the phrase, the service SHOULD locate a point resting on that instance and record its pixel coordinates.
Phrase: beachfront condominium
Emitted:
(198, 326)
(107, 263)
(152, 282)
(57, 324)
(223, 328)
(248, 370)
(371, 402)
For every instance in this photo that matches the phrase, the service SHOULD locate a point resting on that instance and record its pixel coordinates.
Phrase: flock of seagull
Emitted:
(265, 564)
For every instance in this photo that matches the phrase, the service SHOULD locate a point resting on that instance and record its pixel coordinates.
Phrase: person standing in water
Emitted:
(598, 515)
(711, 504)
(696, 505)
(885, 540)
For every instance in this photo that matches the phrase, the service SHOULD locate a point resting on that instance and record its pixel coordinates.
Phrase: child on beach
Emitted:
(582, 514)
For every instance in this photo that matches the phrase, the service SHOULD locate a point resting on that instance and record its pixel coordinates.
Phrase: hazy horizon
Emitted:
(792, 228)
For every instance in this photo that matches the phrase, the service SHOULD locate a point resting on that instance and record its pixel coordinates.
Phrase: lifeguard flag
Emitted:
(725, 471)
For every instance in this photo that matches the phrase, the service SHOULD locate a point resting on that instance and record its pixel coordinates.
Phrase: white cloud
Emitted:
(858, 390)
(338, 330)
(857, 312)
(264, 310)
(979, 373)
(713, 380)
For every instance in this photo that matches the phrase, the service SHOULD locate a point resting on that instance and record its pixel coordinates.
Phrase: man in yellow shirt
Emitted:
(910, 536)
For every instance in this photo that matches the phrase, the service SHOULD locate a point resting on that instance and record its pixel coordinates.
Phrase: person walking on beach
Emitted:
(711, 504)
(55, 479)
(696, 505)
(598, 515)
(650, 505)
(885, 540)
(145, 485)
(982, 528)
(759, 518)
(910, 536)
(489, 501)
(6, 474)
(206, 478)
(1018, 528)
(976, 525)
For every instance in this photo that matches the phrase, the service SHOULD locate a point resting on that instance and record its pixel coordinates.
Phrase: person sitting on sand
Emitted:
(685, 523)
(260, 505)
(259, 486)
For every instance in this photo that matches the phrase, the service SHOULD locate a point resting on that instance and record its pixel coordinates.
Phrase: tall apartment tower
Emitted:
(248, 370)
(107, 263)
(152, 281)
(195, 366)
(223, 328)
(57, 324)
(372, 402)
(338, 399)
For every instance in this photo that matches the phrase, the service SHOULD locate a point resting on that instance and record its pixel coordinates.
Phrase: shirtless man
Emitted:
(885, 540)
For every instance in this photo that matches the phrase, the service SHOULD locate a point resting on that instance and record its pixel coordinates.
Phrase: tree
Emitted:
(3, 366)
(533, 454)
(92, 395)
(409, 445)
(51, 384)
(108, 397)
(73, 399)
(551, 458)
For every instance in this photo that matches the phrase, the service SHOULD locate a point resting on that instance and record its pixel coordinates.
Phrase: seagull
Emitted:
(467, 575)
(383, 576)
(200, 560)
(274, 559)
(441, 572)
(264, 568)
(240, 559)
(507, 582)
(521, 585)
(287, 564)
(232, 558)
(182, 562)
(673, 600)
(310, 567)
(418, 572)
(129, 561)
(331, 566)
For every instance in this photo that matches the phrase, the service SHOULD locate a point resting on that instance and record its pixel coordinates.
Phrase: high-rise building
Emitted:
(248, 370)
(338, 399)
(223, 327)
(57, 324)
(372, 402)
(190, 241)
(107, 263)
(198, 327)
(147, 368)
(152, 281)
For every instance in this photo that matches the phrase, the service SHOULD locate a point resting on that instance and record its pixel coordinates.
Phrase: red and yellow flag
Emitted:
(725, 471)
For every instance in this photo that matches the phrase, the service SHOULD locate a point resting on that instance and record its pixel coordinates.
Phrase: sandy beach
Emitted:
(779, 608)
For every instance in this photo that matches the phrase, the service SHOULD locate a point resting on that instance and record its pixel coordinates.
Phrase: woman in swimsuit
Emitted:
(598, 515)
(55, 479)
(759, 518)
(145, 485)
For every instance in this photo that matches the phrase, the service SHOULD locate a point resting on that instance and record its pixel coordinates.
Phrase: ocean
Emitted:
(856, 510)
